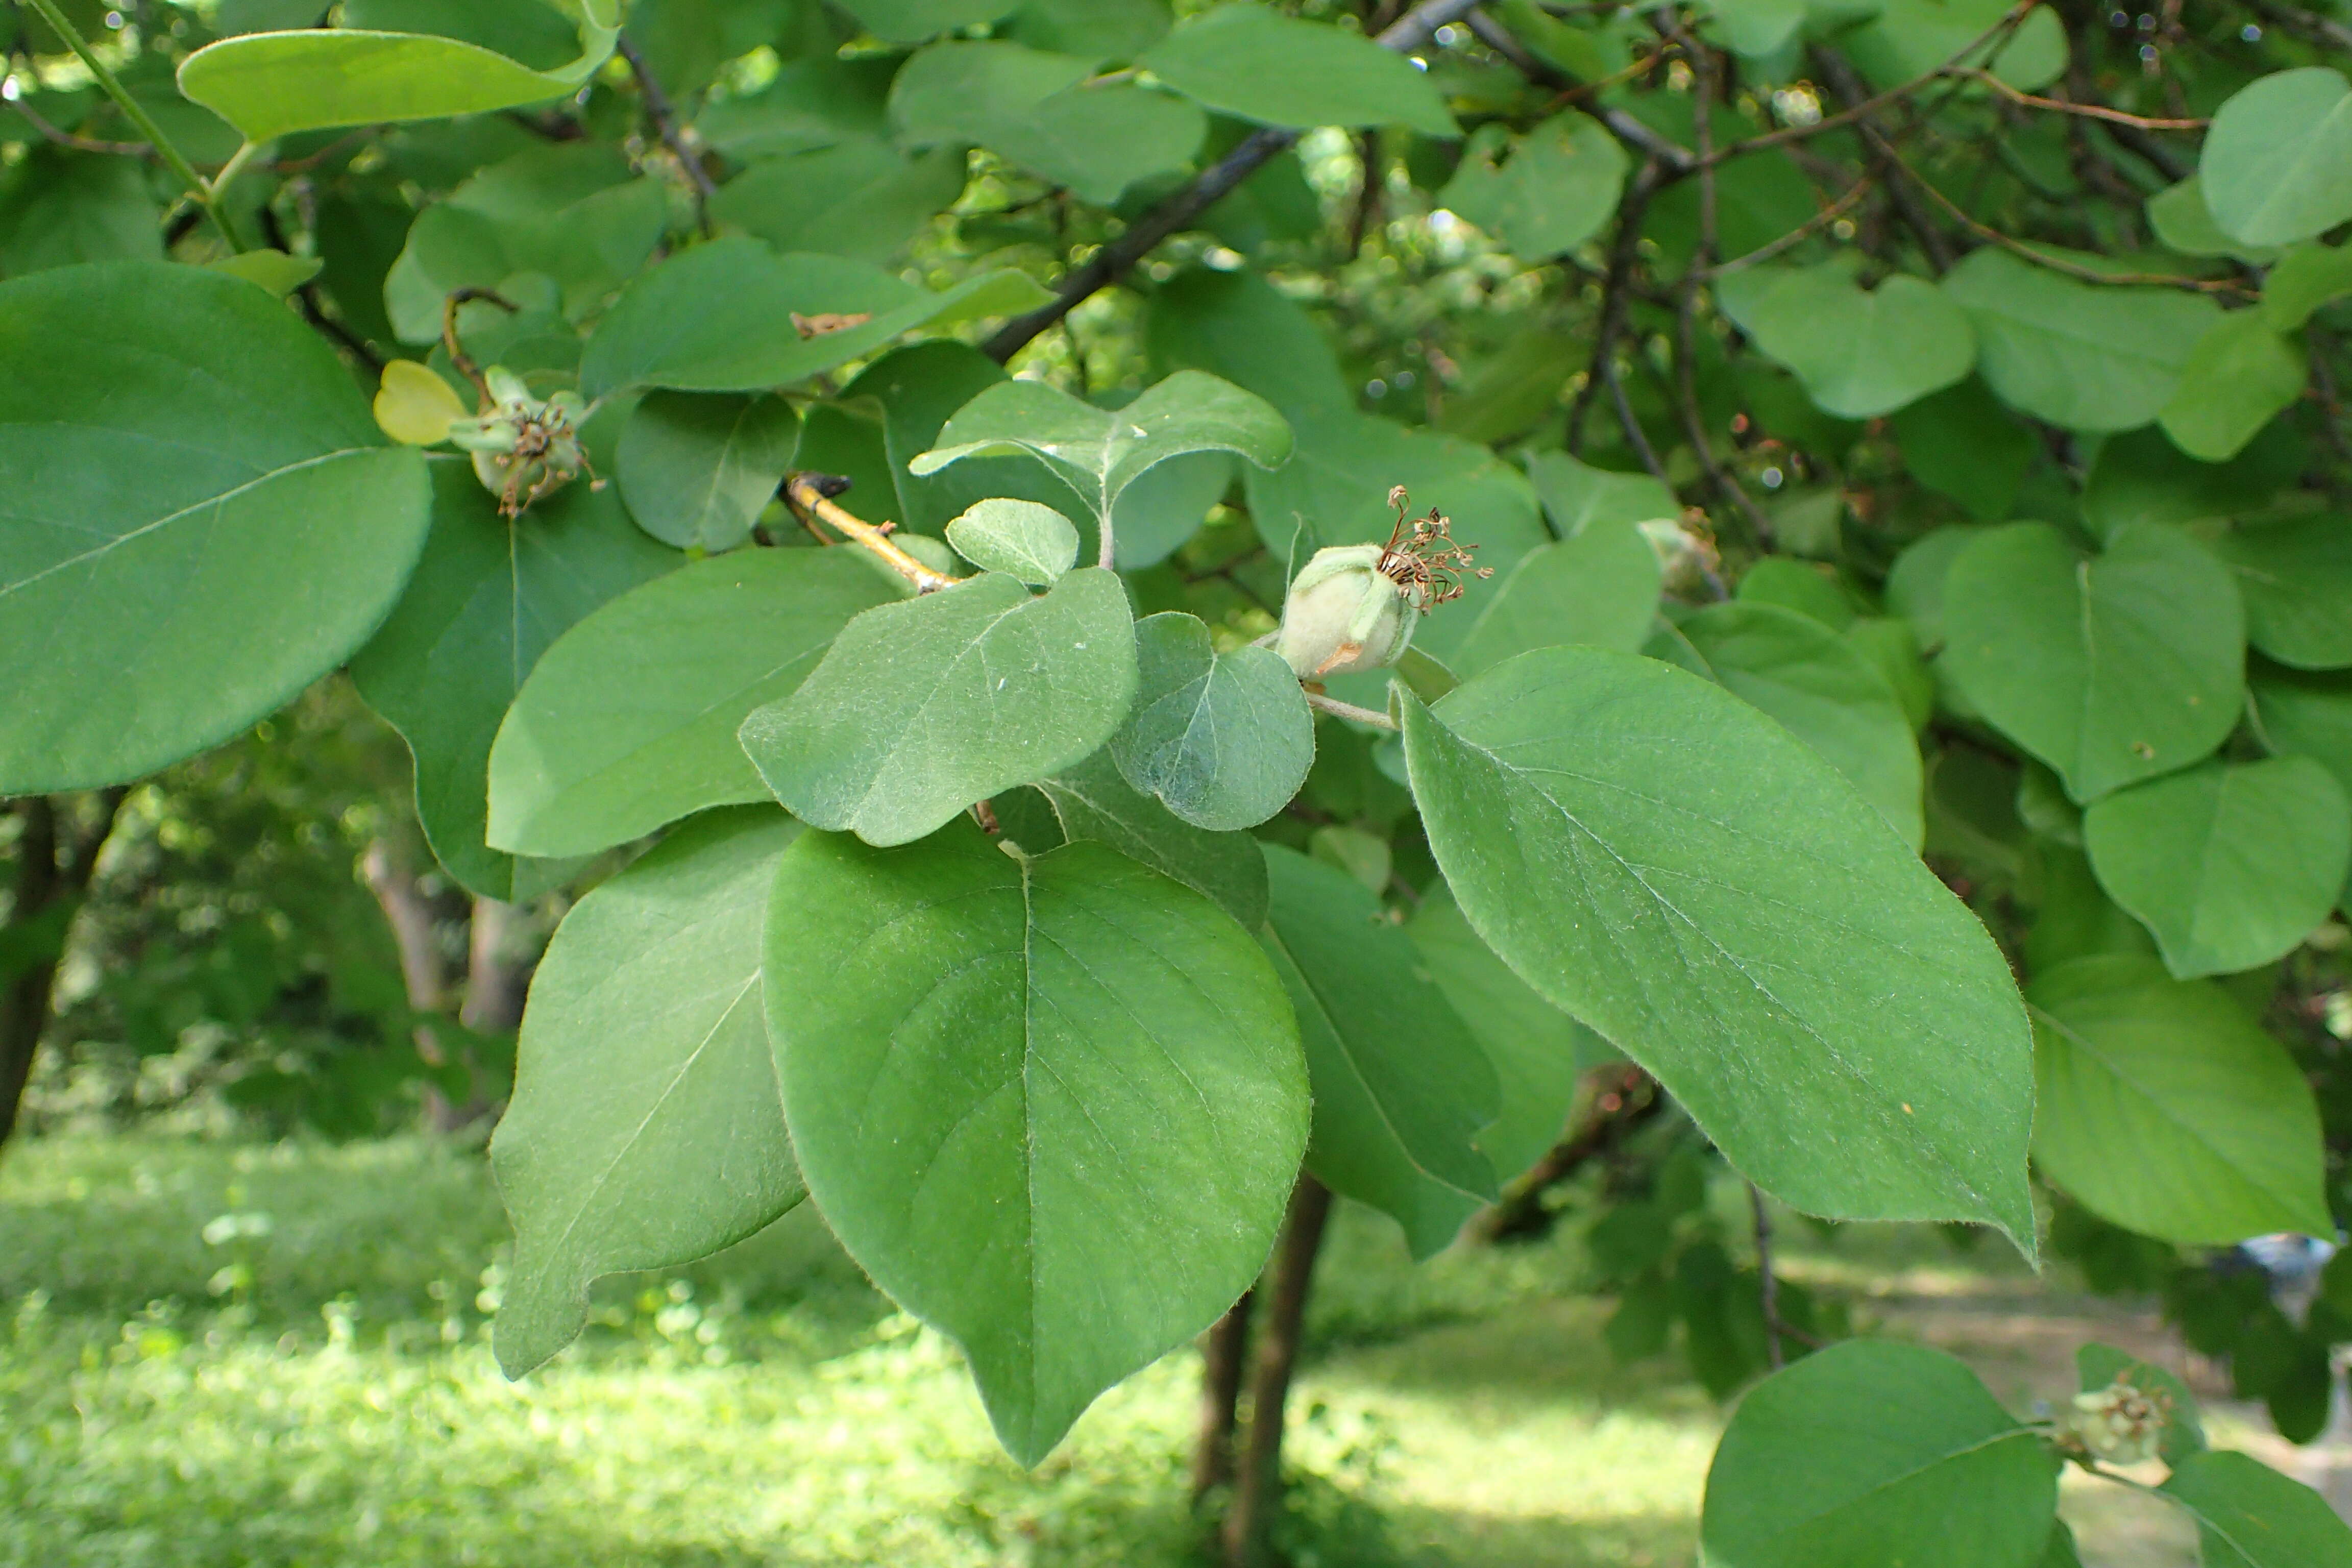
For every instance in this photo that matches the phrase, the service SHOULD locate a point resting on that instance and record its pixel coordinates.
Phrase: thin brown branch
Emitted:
(67, 139)
(1848, 87)
(1798, 235)
(1118, 258)
(1768, 1286)
(2015, 18)
(1568, 91)
(1225, 1351)
(1257, 1485)
(1616, 285)
(665, 117)
(2061, 106)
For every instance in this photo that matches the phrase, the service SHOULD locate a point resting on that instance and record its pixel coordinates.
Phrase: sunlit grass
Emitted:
(315, 1387)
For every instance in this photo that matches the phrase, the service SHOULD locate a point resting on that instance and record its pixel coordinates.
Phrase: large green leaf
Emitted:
(1092, 801)
(2183, 222)
(2241, 372)
(1037, 111)
(913, 21)
(1537, 1049)
(2112, 670)
(198, 518)
(1859, 353)
(1576, 496)
(923, 707)
(1869, 1454)
(2088, 356)
(2231, 864)
(2305, 278)
(1599, 587)
(1826, 691)
(570, 211)
(2249, 1516)
(1223, 740)
(2306, 715)
(1098, 29)
(1542, 193)
(1244, 60)
(697, 467)
(1908, 39)
(488, 596)
(1052, 1104)
(270, 84)
(1402, 1087)
(58, 208)
(1100, 452)
(1672, 866)
(2277, 164)
(2295, 571)
(719, 318)
(2163, 1108)
(645, 1129)
(1238, 326)
(629, 721)
(860, 197)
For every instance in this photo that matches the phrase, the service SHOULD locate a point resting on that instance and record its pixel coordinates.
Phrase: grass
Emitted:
(221, 1355)
(225, 1356)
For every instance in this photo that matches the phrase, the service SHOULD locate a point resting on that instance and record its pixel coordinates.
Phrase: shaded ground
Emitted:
(312, 1385)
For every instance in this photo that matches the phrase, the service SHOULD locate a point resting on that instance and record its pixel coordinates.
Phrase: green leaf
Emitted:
(923, 707)
(697, 467)
(1098, 29)
(1401, 1090)
(2141, 476)
(2089, 356)
(1223, 740)
(2304, 715)
(1034, 111)
(2230, 865)
(2185, 225)
(572, 211)
(1599, 588)
(2241, 374)
(1667, 864)
(913, 21)
(1826, 693)
(1893, 649)
(1538, 1051)
(719, 318)
(488, 596)
(2184, 1434)
(1759, 28)
(270, 84)
(1542, 193)
(1860, 353)
(1245, 60)
(645, 1129)
(1092, 801)
(862, 198)
(2305, 278)
(1871, 1453)
(2162, 1107)
(2113, 669)
(1053, 1105)
(200, 518)
(629, 719)
(1334, 491)
(1575, 497)
(1026, 541)
(1908, 39)
(2249, 1516)
(2277, 164)
(1238, 326)
(60, 208)
(2295, 571)
(272, 271)
(1797, 585)
(1101, 451)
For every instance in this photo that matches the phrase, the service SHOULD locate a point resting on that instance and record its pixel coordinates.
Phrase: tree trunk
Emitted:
(52, 866)
(424, 971)
(1257, 1487)
(496, 978)
(1224, 1351)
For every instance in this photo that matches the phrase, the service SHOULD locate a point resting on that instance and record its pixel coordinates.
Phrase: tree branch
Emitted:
(1768, 1286)
(1118, 258)
(1616, 122)
(1624, 252)
(664, 119)
(1848, 87)
(810, 496)
(1258, 1486)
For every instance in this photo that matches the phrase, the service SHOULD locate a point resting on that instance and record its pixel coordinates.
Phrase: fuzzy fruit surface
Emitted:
(1344, 614)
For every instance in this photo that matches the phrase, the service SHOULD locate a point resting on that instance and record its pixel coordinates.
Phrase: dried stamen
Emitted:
(1422, 555)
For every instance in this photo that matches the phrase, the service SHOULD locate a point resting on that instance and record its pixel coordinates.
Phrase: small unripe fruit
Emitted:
(2121, 1423)
(524, 447)
(1354, 606)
